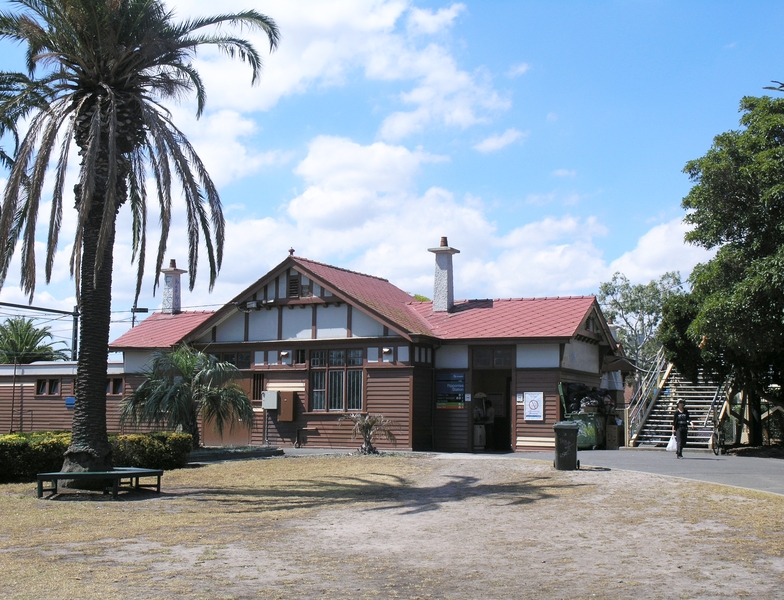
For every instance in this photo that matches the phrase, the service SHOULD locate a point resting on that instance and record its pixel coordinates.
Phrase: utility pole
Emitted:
(135, 310)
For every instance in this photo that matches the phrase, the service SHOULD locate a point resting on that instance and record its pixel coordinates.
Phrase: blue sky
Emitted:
(545, 139)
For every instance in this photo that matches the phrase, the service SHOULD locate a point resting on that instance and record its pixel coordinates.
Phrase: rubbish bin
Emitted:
(591, 429)
(566, 446)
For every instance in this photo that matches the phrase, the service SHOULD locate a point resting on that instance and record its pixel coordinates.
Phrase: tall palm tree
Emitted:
(184, 385)
(21, 342)
(109, 64)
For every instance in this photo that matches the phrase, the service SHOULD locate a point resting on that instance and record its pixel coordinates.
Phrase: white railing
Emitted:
(645, 396)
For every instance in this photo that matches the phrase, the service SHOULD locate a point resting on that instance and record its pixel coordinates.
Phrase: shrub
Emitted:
(23, 455)
(151, 451)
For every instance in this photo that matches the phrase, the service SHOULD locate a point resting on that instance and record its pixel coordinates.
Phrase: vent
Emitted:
(293, 287)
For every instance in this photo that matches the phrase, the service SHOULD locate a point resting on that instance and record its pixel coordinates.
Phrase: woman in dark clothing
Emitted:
(680, 426)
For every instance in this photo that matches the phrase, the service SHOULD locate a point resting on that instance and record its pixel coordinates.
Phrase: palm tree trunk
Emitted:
(89, 449)
(194, 430)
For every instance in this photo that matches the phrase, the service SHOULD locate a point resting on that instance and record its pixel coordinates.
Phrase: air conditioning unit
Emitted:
(270, 400)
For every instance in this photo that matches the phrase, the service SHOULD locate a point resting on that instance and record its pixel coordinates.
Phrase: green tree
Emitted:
(184, 385)
(21, 342)
(636, 310)
(732, 323)
(108, 66)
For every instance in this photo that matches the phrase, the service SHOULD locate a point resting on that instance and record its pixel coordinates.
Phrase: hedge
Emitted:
(23, 455)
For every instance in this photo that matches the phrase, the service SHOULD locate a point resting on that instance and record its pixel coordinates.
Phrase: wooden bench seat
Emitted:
(120, 477)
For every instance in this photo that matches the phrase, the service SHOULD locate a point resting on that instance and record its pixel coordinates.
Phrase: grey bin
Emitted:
(566, 446)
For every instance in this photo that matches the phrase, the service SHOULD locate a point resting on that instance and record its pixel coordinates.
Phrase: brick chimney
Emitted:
(443, 287)
(172, 302)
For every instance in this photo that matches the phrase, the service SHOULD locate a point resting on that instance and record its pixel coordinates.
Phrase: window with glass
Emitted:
(334, 385)
(114, 386)
(44, 387)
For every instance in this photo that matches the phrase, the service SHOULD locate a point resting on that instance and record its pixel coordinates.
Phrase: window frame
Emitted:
(112, 386)
(337, 380)
(48, 386)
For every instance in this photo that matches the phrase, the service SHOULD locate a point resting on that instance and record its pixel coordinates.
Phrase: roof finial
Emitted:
(291, 251)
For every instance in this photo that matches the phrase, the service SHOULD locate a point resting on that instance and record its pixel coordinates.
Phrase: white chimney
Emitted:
(443, 288)
(172, 301)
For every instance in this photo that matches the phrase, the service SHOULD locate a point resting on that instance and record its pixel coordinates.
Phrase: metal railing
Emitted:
(647, 393)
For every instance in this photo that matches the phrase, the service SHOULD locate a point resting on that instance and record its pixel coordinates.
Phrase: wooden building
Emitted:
(317, 342)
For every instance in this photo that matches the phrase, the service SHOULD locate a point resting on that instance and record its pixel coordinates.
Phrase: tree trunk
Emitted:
(755, 419)
(89, 449)
(193, 429)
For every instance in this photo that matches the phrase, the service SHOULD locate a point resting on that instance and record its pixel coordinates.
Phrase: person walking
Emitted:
(680, 427)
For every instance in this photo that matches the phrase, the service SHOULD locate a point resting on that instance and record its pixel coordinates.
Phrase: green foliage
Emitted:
(151, 450)
(636, 310)
(98, 72)
(185, 384)
(421, 298)
(23, 455)
(368, 427)
(18, 96)
(106, 70)
(733, 323)
(21, 342)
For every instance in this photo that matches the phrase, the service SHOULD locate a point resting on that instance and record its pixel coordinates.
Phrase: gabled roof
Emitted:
(376, 295)
(522, 318)
(525, 318)
(160, 330)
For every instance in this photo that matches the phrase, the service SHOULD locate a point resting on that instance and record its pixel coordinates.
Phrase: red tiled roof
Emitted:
(160, 330)
(513, 318)
(373, 293)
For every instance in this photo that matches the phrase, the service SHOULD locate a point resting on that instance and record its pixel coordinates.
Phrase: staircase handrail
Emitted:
(646, 395)
(712, 411)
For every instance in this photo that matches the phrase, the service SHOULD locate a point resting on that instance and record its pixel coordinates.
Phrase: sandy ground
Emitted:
(458, 528)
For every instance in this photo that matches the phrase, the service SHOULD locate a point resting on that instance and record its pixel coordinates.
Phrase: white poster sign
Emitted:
(534, 406)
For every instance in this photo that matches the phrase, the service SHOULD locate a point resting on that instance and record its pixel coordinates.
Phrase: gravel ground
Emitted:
(396, 527)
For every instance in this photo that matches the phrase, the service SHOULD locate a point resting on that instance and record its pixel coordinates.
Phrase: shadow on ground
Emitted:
(397, 493)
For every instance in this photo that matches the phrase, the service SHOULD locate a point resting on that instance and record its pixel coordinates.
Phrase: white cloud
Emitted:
(661, 249)
(424, 21)
(350, 183)
(361, 210)
(518, 69)
(222, 142)
(564, 173)
(446, 96)
(322, 43)
(497, 142)
(552, 117)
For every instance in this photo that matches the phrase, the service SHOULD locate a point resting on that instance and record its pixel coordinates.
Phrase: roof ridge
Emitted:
(182, 312)
(315, 262)
(529, 299)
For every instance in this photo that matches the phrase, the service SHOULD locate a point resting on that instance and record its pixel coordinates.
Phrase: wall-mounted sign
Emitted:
(534, 406)
(450, 390)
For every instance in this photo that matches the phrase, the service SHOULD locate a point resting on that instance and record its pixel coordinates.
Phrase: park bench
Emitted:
(120, 477)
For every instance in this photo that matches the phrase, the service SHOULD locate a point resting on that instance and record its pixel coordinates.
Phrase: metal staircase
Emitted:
(651, 410)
